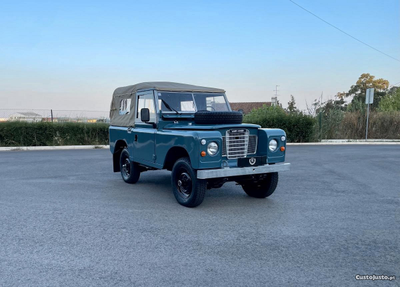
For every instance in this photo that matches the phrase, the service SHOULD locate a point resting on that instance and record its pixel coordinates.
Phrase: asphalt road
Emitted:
(67, 220)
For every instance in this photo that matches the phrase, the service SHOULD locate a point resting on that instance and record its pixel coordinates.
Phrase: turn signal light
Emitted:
(203, 153)
(282, 148)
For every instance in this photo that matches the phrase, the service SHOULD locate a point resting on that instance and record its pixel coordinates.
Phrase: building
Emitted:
(25, 117)
(247, 107)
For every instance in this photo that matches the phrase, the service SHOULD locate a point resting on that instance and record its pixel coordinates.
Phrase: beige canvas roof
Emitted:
(129, 92)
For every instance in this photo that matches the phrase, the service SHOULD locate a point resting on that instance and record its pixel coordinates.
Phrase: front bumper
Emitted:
(238, 171)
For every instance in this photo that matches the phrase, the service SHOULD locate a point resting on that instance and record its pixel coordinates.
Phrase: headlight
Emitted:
(283, 138)
(203, 142)
(212, 148)
(273, 145)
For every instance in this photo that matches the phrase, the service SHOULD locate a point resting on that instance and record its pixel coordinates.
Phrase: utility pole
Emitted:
(274, 100)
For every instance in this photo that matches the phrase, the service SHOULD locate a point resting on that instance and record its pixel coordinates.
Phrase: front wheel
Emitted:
(130, 170)
(262, 188)
(188, 190)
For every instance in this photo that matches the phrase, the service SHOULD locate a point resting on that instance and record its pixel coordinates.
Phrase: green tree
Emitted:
(390, 102)
(292, 109)
(330, 115)
(364, 82)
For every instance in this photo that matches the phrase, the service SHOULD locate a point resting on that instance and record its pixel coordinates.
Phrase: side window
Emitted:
(146, 101)
(125, 106)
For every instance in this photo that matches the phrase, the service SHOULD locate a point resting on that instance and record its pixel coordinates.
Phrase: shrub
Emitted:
(391, 101)
(298, 127)
(52, 134)
(382, 125)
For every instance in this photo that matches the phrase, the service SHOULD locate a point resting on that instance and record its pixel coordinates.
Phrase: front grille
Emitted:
(237, 143)
(251, 149)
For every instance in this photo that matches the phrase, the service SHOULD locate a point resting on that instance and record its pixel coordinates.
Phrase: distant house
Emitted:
(247, 107)
(49, 120)
(25, 117)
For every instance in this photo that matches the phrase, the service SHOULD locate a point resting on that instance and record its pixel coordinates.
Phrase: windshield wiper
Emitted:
(169, 107)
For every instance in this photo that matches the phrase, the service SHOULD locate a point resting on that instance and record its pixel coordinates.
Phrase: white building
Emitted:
(25, 117)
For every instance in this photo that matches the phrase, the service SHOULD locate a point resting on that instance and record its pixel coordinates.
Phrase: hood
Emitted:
(194, 126)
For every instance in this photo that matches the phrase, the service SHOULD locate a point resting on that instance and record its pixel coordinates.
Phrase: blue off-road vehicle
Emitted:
(192, 131)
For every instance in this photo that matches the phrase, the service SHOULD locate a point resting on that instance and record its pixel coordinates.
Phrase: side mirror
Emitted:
(145, 115)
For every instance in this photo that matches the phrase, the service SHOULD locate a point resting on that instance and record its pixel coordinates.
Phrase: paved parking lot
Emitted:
(67, 220)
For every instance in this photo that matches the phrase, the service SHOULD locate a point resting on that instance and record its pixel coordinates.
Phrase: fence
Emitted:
(46, 115)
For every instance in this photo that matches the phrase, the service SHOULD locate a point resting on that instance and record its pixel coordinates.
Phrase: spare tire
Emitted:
(206, 117)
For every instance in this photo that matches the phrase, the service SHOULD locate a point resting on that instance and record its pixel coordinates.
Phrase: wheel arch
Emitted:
(173, 155)
(119, 146)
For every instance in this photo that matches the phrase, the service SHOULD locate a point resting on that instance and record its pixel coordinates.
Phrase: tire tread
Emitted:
(199, 185)
(263, 190)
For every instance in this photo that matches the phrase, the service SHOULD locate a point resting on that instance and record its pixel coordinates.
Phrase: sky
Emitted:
(71, 55)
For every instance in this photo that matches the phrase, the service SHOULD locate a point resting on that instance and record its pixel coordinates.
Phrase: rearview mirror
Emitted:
(145, 115)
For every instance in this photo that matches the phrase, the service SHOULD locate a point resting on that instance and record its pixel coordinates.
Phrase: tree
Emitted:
(292, 109)
(390, 102)
(330, 115)
(364, 82)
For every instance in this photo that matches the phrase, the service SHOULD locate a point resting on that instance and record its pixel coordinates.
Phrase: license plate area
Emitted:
(251, 161)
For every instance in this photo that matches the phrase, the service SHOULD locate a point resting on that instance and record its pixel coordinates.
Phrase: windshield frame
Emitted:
(193, 99)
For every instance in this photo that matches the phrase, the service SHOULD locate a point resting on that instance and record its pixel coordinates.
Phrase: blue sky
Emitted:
(73, 54)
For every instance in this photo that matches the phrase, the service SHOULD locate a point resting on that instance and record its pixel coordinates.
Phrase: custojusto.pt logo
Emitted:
(375, 277)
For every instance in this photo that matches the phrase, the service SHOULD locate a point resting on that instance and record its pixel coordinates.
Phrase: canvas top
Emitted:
(129, 92)
(165, 86)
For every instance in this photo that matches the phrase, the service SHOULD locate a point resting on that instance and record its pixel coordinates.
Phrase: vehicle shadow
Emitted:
(229, 195)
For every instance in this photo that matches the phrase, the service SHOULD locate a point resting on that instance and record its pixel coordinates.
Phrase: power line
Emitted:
(394, 85)
(344, 32)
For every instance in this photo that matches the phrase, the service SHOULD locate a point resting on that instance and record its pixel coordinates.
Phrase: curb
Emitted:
(370, 140)
(352, 142)
(347, 143)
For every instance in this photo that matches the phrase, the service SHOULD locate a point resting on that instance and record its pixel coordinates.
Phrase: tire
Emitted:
(206, 117)
(188, 190)
(130, 170)
(261, 189)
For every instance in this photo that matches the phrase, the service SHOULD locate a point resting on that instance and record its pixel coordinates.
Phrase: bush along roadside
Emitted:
(52, 134)
(298, 126)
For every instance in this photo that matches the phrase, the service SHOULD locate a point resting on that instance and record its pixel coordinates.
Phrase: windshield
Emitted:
(190, 103)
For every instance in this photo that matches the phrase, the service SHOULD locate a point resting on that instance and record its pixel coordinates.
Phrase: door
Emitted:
(143, 135)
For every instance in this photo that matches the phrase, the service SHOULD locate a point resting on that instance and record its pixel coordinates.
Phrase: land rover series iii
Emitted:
(192, 131)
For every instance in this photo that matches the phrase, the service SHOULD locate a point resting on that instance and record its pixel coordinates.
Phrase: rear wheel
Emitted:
(188, 190)
(130, 170)
(262, 188)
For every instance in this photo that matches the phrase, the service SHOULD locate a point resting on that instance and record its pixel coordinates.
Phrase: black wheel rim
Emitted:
(126, 167)
(184, 183)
